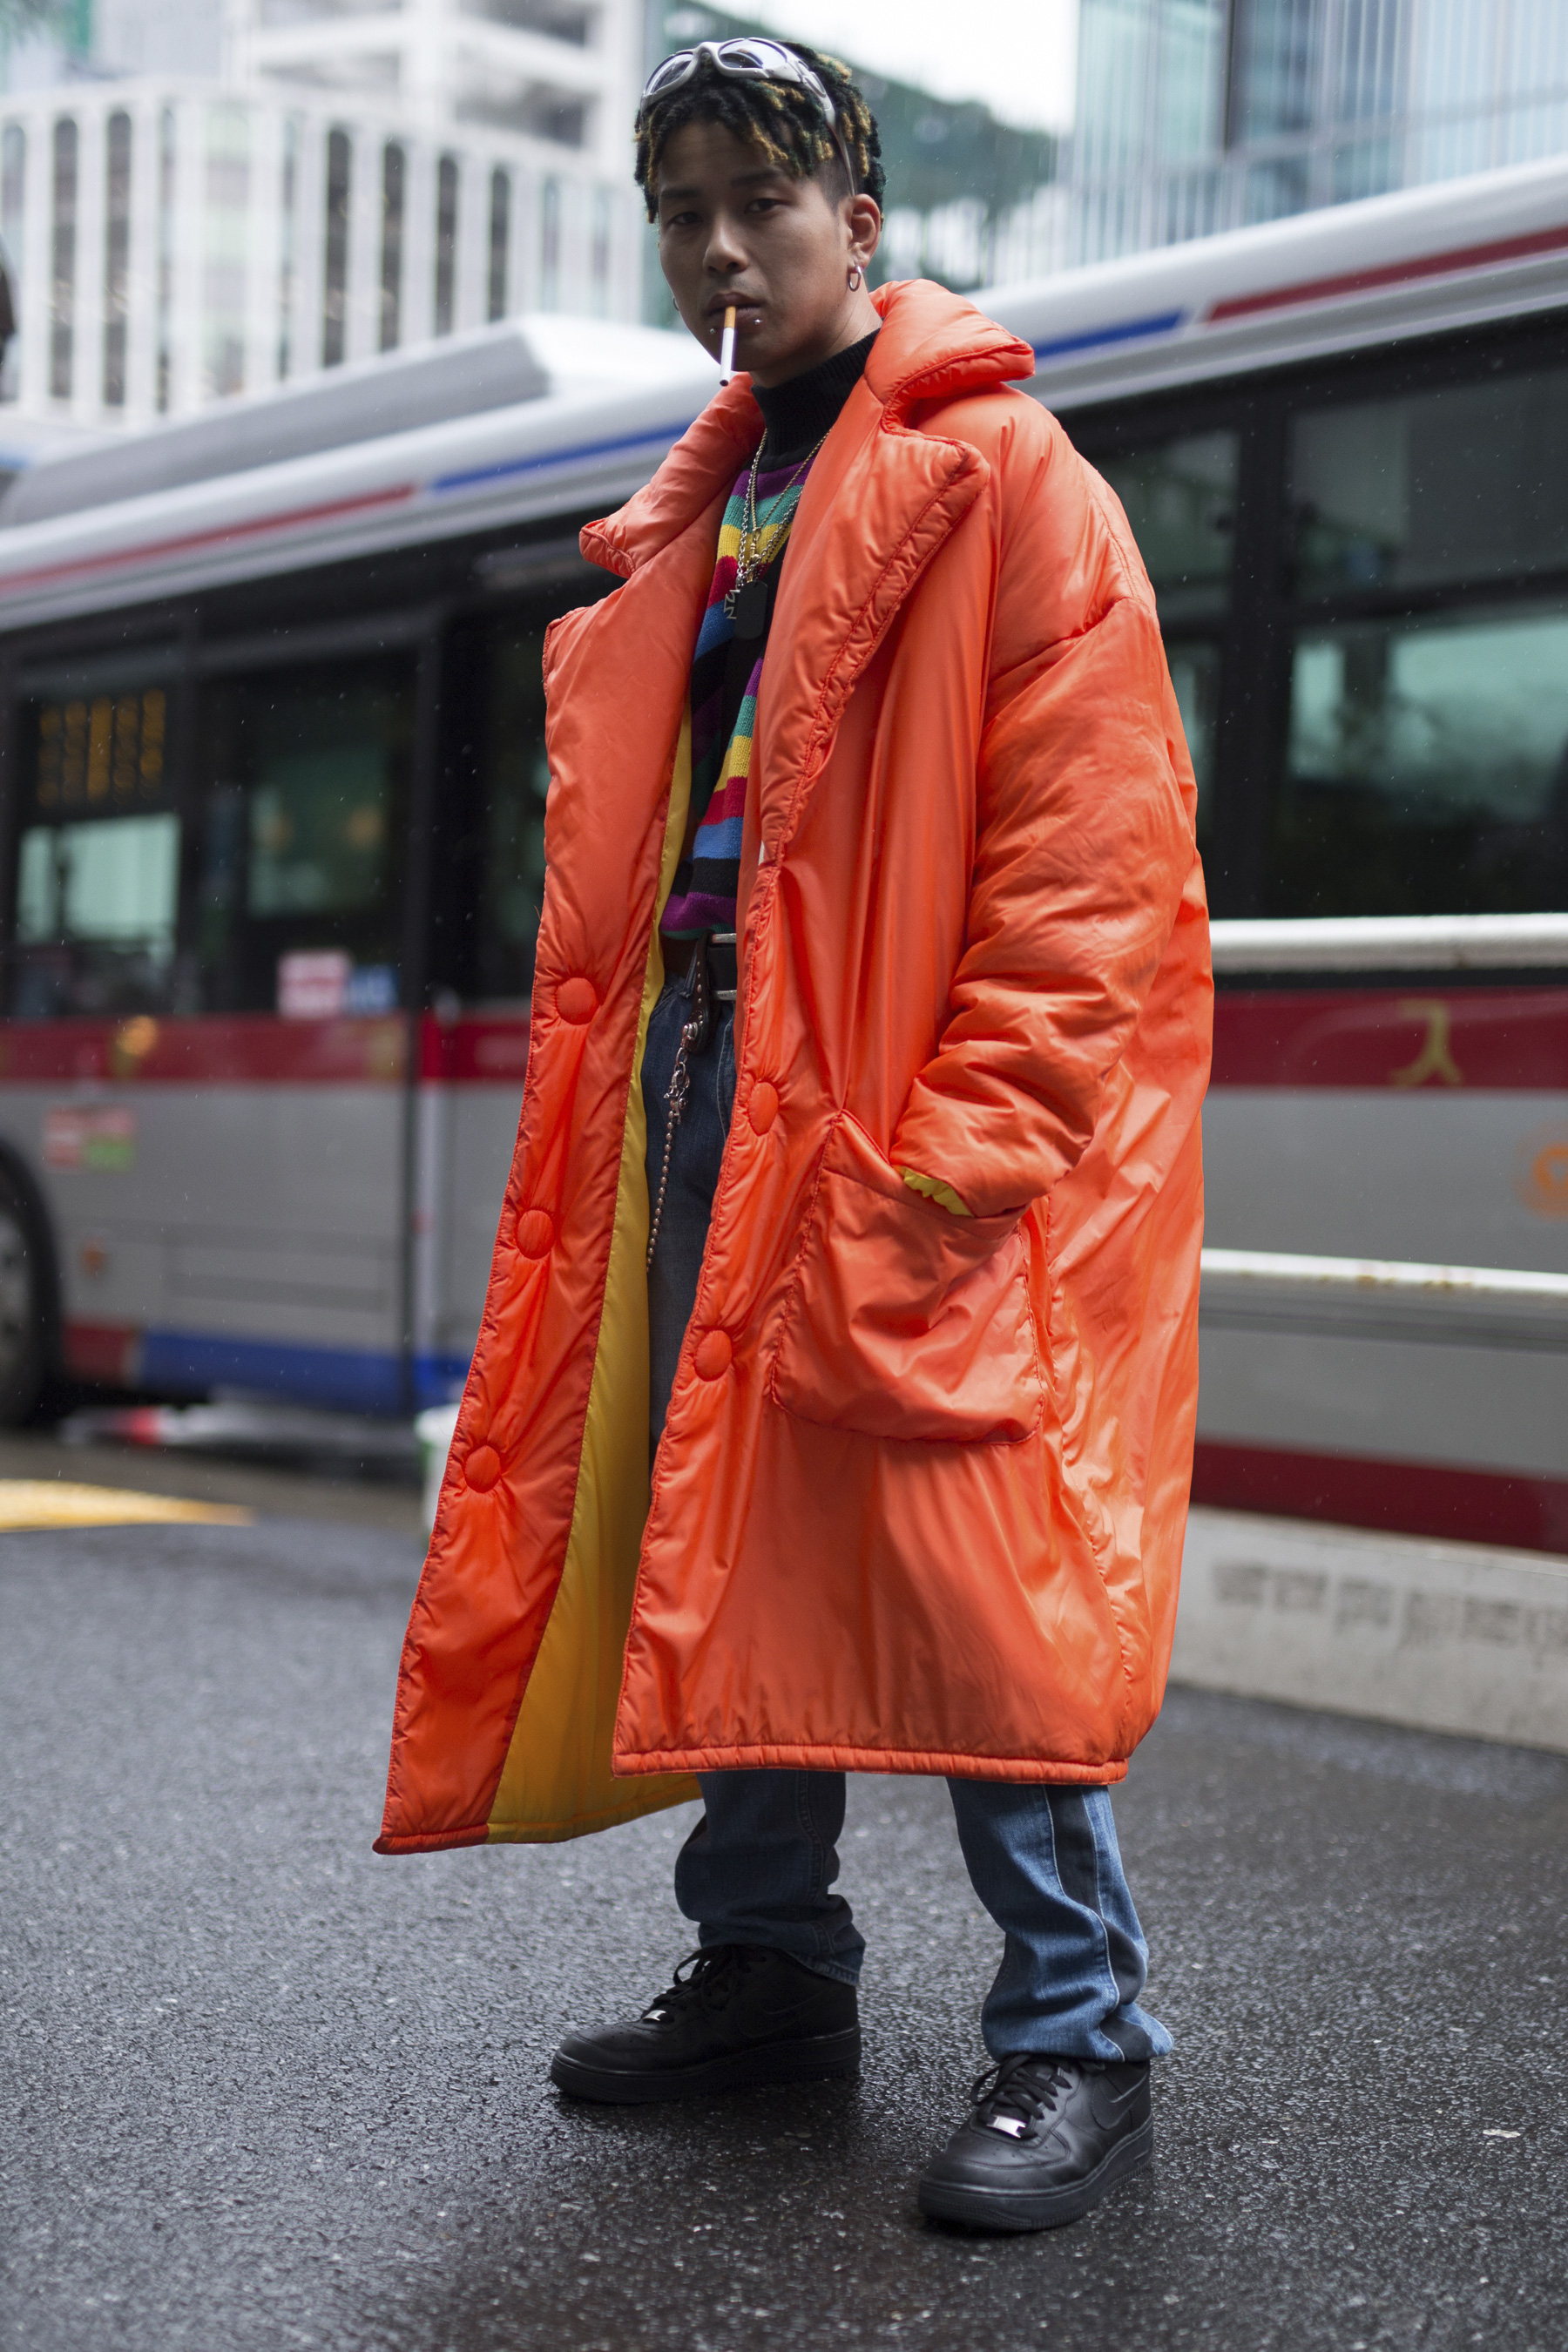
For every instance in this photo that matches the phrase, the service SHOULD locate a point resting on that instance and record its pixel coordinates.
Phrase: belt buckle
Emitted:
(725, 939)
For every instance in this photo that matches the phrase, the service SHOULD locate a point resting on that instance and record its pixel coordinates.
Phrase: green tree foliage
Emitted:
(937, 153)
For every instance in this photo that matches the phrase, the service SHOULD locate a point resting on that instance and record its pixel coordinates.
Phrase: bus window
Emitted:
(514, 781)
(1194, 674)
(1180, 500)
(98, 860)
(489, 880)
(1464, 482)
(1428, 768)
(304, 793)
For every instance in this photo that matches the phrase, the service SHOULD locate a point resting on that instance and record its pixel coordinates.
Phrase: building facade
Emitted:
(176, 243)
(1197, 115)
(199, 202)
(562, 73)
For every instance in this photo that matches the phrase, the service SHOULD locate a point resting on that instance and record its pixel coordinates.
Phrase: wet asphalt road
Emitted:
(262, 2089)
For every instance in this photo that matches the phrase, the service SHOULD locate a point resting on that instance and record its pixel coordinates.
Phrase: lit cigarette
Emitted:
(727, 347)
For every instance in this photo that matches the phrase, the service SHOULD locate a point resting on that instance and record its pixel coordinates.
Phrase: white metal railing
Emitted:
(1385, 1299)
(1391, 943)
(1368, 1275)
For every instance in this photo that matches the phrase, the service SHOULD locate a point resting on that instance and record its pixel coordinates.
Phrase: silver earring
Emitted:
(854, 278)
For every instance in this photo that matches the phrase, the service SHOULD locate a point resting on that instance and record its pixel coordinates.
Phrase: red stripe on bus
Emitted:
(242, 1049)
(1413, 1498)
(1391, 273)
(260, 1049)
(477, 1050)
(1395, 1040)
(1385, 1040)
(188, 541)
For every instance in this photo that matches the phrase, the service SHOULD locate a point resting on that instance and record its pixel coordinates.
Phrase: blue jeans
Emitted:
(759, 1867)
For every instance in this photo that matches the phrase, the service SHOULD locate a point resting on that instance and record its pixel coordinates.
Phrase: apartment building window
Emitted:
(599, 266)
(288, 229)
(394, 174)
(116, 257)
(226, 272)
(500, 231)
(13, 217)
(62, 304)
(335, 274)
(14, 189)
(164, 391)
(550, 246)
(446, 243)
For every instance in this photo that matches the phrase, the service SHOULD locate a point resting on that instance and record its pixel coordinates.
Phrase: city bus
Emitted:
(271, 862)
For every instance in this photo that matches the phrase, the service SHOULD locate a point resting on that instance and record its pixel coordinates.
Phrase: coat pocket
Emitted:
(902, 1320)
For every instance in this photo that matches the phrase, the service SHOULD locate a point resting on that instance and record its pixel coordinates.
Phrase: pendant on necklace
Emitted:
(747, 605)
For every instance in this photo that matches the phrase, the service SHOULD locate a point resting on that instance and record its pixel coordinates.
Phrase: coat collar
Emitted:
(932, 345)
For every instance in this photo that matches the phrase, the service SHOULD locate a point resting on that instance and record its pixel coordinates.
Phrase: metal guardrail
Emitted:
(1364, 1275)
(1474, 1306)
(1391, 1299)
(1393, 943)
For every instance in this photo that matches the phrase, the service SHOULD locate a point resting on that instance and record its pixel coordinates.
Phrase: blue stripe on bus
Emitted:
(357, 1379)
(438, 1380)
(1164, 323)
(473, 475)
(354, 1379)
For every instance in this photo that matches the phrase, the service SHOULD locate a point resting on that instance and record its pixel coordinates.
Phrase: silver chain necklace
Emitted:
(749, 559)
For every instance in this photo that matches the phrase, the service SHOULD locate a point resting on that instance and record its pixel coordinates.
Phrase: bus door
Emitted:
(489, 895)
(204, 1101)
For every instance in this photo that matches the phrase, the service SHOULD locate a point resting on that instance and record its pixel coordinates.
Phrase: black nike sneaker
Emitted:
(746, 2014)
(1046, 2138)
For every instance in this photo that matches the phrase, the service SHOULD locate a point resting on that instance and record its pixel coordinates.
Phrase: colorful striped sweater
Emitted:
(726, 676)
(727, 670)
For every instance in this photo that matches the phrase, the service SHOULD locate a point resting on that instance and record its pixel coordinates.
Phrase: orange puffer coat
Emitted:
(919, 1500)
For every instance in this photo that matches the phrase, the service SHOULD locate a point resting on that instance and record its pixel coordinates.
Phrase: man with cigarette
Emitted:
(858, 1188)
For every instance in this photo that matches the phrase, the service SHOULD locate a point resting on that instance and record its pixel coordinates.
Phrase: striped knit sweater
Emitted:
(703, 895)
(727, 670)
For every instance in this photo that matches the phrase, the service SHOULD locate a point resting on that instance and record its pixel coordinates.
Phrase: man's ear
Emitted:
(864, 222)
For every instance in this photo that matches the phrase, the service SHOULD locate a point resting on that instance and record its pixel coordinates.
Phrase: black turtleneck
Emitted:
(798, 411)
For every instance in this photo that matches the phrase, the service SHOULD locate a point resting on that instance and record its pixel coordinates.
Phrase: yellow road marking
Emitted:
(53, 1503)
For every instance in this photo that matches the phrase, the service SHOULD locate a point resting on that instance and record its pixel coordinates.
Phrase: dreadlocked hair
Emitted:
(781, 121)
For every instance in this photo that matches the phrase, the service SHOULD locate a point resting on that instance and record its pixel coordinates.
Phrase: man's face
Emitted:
(734, 227)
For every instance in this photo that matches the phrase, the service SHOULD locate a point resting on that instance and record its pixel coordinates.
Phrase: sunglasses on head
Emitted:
(747, 61)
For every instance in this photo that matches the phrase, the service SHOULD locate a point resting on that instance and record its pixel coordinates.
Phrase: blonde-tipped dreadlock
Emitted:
(784, 122)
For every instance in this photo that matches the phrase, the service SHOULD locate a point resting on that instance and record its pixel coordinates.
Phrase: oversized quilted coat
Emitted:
(919, 1500)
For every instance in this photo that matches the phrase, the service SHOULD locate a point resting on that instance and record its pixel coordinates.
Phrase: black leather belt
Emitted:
(722, 955)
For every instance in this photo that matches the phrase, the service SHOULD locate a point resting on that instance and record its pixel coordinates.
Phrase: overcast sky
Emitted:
(1016, 55)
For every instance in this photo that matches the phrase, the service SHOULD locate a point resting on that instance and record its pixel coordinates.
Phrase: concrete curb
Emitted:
(1441, 1636)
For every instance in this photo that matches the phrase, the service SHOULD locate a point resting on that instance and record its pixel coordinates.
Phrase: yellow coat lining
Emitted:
(557, 1781)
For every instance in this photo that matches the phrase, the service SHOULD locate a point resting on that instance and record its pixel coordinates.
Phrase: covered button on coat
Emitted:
(919, 1500)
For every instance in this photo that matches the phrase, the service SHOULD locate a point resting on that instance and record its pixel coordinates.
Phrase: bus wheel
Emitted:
(24, 1347)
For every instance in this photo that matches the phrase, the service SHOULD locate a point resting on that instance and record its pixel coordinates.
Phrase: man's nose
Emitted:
(726, 248)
